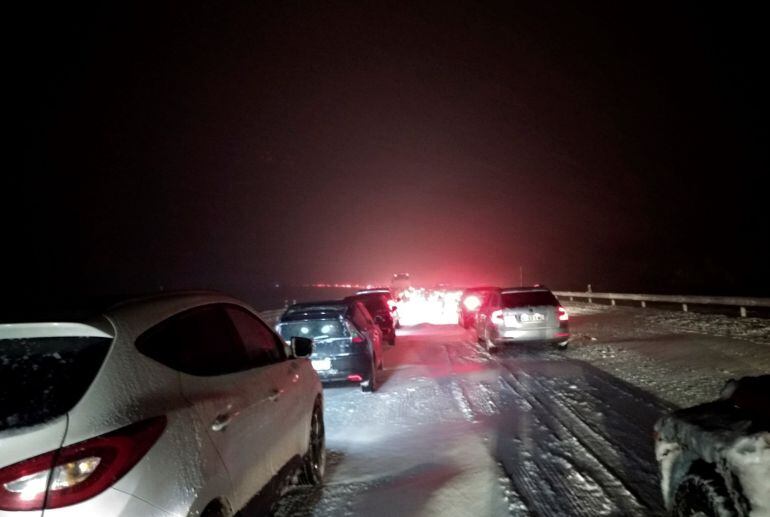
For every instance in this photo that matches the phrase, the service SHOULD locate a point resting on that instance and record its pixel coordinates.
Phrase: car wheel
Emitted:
(370, 384)
(214, 509)
(314, 462)
(702, 494)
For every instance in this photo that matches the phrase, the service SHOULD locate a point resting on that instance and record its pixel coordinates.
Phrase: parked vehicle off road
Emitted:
(347, 343)
(522, 314)
(715, 458)
(181, 404)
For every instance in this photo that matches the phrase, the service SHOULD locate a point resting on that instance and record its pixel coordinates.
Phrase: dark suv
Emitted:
(347, 343)
(381, 310)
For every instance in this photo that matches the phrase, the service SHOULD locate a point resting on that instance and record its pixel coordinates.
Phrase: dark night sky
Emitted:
(233, 145)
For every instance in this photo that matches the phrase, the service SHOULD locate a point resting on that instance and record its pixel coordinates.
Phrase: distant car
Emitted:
(400, 282)
(389, 299)
(715, 457)
(471, 300)
(347, 343)
(522, 314)
(181, 404)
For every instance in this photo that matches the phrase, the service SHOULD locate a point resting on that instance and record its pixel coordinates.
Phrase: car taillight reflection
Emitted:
(79, 471)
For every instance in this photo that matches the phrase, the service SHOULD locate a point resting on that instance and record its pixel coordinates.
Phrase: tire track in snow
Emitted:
(586, 452)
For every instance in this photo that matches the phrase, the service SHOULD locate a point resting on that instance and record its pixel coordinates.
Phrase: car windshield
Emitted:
(528, 299)
(43, 378)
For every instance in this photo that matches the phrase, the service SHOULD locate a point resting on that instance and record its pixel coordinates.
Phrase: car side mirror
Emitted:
(301, 346)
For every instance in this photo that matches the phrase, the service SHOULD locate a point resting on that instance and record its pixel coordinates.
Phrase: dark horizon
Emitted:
(241, 145)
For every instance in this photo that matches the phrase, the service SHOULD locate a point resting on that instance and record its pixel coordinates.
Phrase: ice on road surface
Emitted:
(529, 431)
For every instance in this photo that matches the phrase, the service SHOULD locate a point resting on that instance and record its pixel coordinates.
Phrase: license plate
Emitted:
(525, 318)
(322, 364)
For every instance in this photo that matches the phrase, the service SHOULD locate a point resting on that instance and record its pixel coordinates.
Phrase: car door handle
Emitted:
(221, 422)
(275, 393)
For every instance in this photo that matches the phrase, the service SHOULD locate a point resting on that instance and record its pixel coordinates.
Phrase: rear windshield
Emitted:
(315, 329)
(43, 378)
(528, 299)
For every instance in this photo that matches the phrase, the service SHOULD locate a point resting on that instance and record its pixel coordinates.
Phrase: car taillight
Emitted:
(563, 316)
(79, 471)
(496, 316)
(472, 303)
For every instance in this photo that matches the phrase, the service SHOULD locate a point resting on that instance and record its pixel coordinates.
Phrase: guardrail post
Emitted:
(684, 307)
(644, 304)
(571, 299)
(743, 312)
(590, 300)
(612, 302)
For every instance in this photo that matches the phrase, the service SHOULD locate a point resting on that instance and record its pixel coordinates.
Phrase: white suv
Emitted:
(183, 404)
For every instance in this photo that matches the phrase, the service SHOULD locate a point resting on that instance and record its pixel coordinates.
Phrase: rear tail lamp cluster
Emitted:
(496, 316)
(79, 471)
(472, 303)
(563, 316)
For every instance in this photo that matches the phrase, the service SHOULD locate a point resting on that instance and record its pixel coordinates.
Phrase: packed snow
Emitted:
(455, 431)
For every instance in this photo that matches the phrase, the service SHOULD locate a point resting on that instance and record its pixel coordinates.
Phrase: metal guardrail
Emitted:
(735, 301)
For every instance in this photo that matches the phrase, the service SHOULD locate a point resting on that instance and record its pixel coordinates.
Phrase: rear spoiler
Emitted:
(50, 329)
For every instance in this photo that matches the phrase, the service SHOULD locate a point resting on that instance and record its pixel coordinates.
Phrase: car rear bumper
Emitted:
(551, 335)
(344, 365)
(110, 502)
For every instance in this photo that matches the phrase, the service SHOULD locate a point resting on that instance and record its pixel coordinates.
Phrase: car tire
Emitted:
(702, 494)
(370, 384)
(314, 462)
(489, 344)
(214, 509)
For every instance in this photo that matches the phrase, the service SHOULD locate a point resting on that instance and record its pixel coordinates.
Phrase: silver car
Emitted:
(183, 404)
(522, 314)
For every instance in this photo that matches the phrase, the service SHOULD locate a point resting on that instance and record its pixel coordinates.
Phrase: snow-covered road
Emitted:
(530, 431)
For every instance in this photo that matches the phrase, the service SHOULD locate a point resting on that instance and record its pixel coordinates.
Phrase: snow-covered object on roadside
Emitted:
(729, 440)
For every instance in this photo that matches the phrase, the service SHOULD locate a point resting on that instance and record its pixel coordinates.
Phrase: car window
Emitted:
(262, 346)
(528, 299)
(44, 377)
(201, 342)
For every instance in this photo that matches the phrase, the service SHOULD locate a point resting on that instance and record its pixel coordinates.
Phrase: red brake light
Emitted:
(563, 316)
(472, 302)
(358, 339)
(496, 316)
(79, 471)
